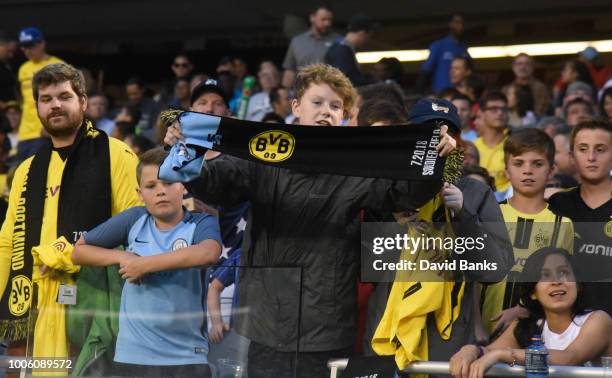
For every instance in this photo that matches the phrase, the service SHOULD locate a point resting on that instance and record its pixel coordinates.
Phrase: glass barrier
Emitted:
(193, 322)
(166, 323)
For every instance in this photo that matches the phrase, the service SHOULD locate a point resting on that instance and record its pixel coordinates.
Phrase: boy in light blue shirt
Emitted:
(162, 319)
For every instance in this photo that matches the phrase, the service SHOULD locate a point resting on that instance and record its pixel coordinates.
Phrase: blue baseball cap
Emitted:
(428, 109)
(589, 53)
(30, 36)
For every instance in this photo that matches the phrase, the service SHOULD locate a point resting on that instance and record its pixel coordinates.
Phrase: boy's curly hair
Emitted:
(325, 74)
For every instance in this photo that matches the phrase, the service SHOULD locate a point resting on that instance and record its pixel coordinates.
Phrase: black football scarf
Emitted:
(392, 152)
(84, 202)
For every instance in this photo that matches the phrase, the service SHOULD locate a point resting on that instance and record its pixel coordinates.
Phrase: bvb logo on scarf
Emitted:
(21, 293)
(272, 146)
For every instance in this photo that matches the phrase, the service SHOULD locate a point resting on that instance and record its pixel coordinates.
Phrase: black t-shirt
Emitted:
(64, 151)
(592, 246)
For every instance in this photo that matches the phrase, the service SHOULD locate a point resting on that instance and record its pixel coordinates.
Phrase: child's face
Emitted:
(163, 200)
(577, 113)
(592, 154)
(319, 106)
(563, 160)
(528, 173)
(556, 290)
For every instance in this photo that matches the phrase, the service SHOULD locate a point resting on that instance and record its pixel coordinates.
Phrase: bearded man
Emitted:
(77, 179)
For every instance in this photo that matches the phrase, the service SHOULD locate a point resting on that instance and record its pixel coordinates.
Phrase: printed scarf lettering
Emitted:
(18, 293)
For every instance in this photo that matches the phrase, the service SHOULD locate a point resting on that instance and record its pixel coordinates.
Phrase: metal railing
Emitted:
(434, 367)
(497, 370)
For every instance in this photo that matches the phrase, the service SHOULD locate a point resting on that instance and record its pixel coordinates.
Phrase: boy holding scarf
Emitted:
(308, 221)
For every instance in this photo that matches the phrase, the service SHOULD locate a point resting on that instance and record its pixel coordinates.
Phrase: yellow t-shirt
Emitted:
(492, 158)
(51, 340)
(528, 233)
(30, 126)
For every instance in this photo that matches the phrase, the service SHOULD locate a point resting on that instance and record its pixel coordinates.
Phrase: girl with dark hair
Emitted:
(605, 103)
(572, 334)
(573, 71)
(520, 102)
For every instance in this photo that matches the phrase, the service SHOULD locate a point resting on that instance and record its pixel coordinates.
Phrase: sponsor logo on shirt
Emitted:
(60, 246)
(596, 249)
(541, 239)
(179, 244)
(53, 190)
(272, 146)
(608, 229)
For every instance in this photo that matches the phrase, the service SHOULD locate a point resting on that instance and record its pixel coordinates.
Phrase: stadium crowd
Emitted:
(85, 211)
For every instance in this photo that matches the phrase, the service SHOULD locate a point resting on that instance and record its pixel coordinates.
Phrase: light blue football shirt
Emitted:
(162, 319)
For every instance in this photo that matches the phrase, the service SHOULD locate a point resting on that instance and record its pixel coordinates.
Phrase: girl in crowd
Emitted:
(572, 334)
(605, 104)
(520, 102)
(573, 71)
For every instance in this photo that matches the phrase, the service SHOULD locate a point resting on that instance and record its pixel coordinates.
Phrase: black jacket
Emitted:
(302, 242)
(480, 215)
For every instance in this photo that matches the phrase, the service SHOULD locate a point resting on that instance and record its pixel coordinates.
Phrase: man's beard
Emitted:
(67, 128)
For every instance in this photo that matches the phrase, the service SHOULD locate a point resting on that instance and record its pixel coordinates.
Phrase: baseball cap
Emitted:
(435, 109)
(361, 22)
(208, 86)
(590, 53)
(30, 36)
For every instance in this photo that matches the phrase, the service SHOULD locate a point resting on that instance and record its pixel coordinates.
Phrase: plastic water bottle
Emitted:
(536, 359)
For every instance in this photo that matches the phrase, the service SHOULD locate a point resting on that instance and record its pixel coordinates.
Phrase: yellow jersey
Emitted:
(30, 126)
(492, 159)
(528, 233)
